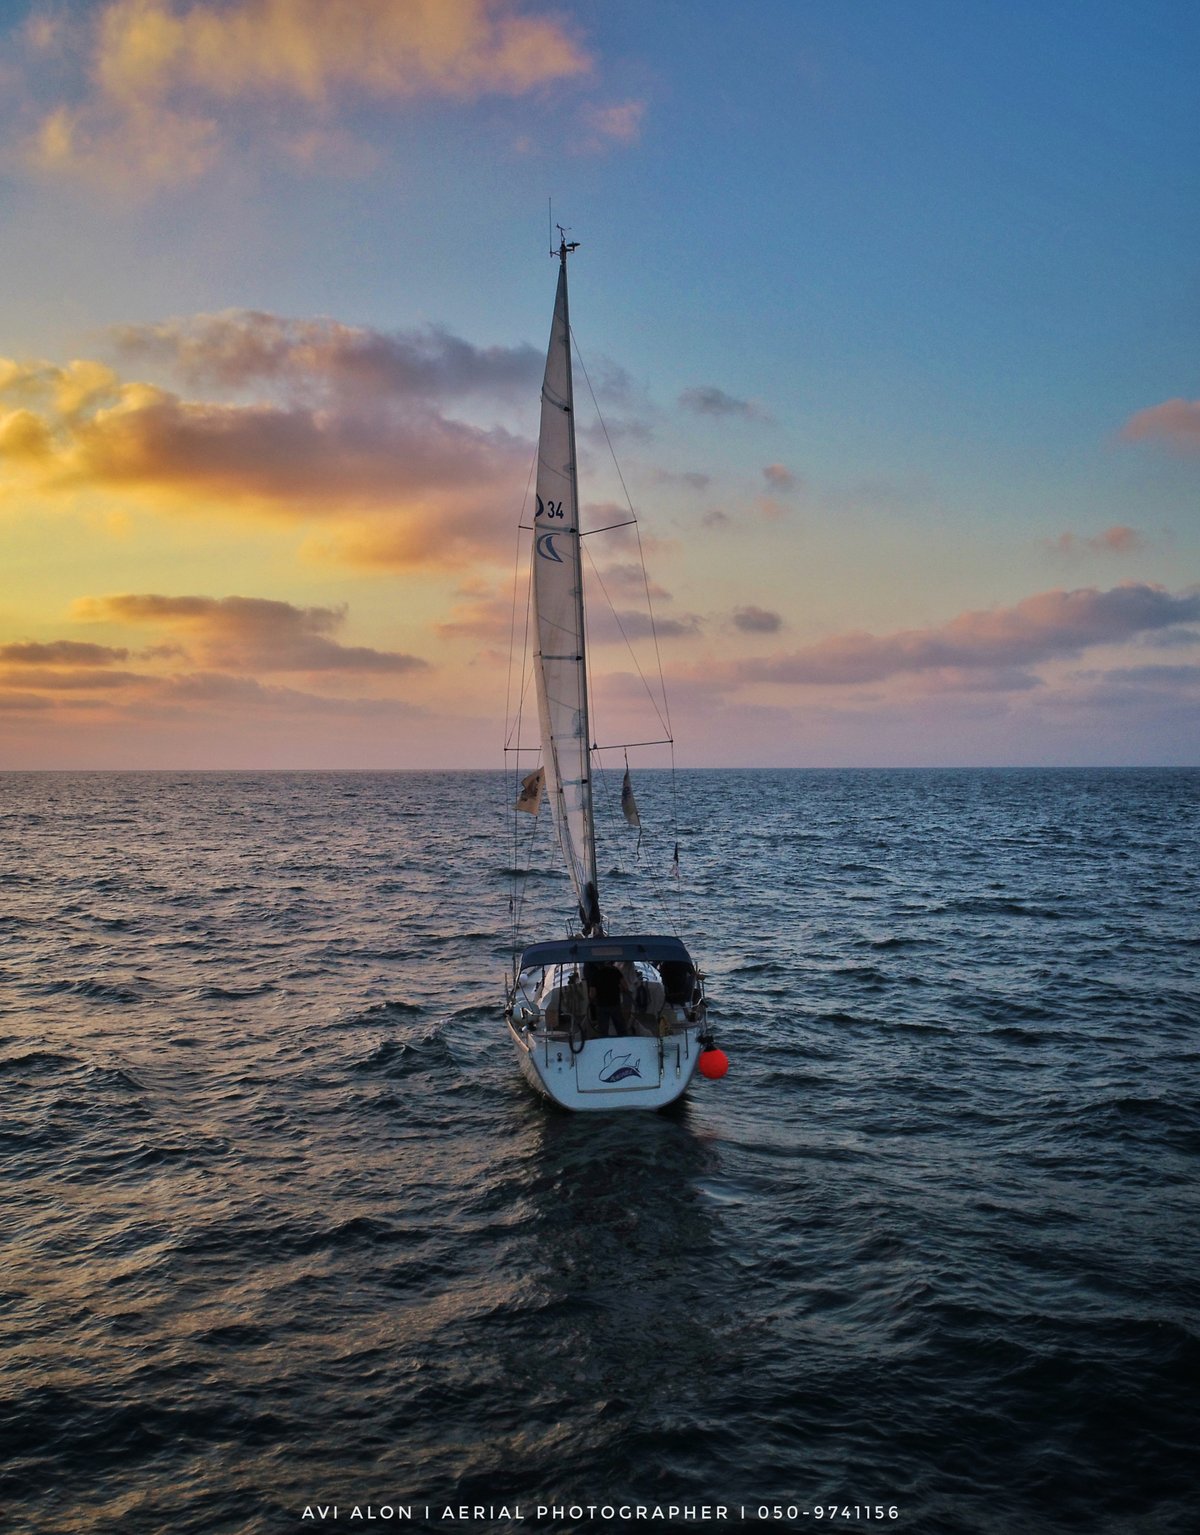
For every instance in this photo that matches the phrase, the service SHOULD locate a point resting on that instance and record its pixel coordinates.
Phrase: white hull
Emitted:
(629, 1072)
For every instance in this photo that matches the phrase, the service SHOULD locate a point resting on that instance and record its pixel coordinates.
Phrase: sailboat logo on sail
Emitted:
(617, 1071)
(546, 548)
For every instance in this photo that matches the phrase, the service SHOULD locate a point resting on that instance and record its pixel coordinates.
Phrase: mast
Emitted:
(561, 661)
(589, 907)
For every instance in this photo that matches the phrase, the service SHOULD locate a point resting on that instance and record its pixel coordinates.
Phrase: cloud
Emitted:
(481, 613)
(350, 424)
(291, 458)
(24, 703)
(80, 679)
(320, 357)
(691, 478)
(998, 640)
(628, 579)
(1114, 540)
(619, 626)
(166, 86)
(707, 400)
(1175, 423)
(60, 653)
(1173, 639)
(250, 633)
(1153, 676)
(752, 620)
(779, 478)
(620, 124)
(224, 690)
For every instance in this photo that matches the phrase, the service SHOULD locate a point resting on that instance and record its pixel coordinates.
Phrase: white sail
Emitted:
(560, 666)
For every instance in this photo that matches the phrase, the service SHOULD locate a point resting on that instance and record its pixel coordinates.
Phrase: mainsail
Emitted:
(560, 667)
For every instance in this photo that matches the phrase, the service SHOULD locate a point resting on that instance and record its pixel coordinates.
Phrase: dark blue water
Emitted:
(282, 1226)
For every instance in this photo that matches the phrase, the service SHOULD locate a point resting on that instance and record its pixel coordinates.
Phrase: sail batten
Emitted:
(560, 667)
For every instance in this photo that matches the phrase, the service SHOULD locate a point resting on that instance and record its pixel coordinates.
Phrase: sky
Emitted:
(889, 312)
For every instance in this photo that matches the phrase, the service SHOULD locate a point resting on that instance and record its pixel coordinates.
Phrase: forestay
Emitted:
(560, 667)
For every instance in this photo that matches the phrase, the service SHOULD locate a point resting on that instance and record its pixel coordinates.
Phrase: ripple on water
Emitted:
(286, 1223)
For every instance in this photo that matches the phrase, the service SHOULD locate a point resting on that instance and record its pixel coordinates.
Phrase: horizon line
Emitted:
(847, 767)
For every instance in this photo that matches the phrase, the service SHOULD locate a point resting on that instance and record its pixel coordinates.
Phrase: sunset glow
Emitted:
(887, 311)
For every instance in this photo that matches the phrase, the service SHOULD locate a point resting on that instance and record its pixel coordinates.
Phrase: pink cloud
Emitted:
(752, 620)
(1175, 423)
(1004, 640)
(618, 124)
(780, 478)
(613, 626)
(1114, 540)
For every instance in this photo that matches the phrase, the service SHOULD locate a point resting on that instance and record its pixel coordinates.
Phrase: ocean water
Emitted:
(283, 1230)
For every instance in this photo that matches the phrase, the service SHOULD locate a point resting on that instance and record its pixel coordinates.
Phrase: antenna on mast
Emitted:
(564, 245)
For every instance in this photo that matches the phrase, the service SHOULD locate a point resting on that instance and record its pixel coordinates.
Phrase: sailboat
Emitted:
(599, 1020)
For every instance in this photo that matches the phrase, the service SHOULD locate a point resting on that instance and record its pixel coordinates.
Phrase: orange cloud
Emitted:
(70, 701)
(480, 613)
(162, 76)
(352, 426)
(60, 652)
(250, 633)
(1175, 423)
(86, 680)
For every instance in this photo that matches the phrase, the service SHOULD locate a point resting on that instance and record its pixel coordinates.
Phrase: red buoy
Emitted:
(713, 1064)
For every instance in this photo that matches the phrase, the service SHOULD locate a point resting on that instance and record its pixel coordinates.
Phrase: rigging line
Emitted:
(517, 885)
(628, 894)
(621, 746)
(675, 830)
(662, 681)
(508, 747)
(630, 522)
(526, 659)
(607, 806)
(641, 553)
(637, 666)
(657, 891)
(519, 915)
(512, 627)
(637, 852)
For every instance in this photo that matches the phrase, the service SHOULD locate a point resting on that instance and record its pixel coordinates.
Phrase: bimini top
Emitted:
(584, 951)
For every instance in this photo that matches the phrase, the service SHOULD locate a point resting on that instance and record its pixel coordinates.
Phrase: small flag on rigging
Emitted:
(629, 807)
(530, 797)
